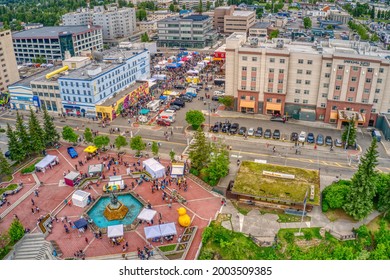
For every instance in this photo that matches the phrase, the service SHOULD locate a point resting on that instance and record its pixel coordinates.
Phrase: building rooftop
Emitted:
(242, 13)
(53, 31)
(33, 74)
(261, 25)
(196, 17)
(111, 101)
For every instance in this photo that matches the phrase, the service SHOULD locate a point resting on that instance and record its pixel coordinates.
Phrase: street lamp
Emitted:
(349, 129)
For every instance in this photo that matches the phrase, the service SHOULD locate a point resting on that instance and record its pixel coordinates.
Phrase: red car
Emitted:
(163, 122)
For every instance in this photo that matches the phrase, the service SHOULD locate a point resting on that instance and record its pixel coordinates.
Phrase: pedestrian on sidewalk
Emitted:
(32, 202)
(86, 240)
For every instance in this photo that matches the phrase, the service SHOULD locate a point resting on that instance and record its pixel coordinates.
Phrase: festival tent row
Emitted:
(115, 184)
(161, 230)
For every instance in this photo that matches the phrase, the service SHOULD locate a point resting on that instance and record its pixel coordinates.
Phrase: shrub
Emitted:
(325, 206)
(335, 194)
(2, 130)
(28, 169)
(308, 235)
(195, 172)
(289, 237)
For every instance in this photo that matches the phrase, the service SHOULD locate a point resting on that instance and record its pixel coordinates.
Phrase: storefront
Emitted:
(247, 106)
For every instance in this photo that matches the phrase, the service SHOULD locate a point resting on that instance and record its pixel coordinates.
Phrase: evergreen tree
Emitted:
(36, 133)
(199, 9)
(363, 189)
(51, 134)
(5, 167)
(16, 231)
(199, 151)
(219, 164)
(22, 134)
(15, 147)
(349, 134)
(88, 137)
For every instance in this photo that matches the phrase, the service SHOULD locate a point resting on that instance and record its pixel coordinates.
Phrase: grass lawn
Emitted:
(287, 218)
(8, 188)
(30, 168)
(251, 181)
(335, 214)
(167, 248)
(374, 224)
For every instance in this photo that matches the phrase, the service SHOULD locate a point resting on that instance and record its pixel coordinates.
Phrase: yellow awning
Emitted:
(217, 59)
(247, 104)
(274, 106)
(90, 149)
(333, 115)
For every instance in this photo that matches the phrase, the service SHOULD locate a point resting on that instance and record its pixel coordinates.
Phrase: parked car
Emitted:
(217, 126)
(186, 98)
(302, 136)
(276, 134)
(267, 133)
(7, 154)
(251, 131)
(259, 132)
(72, 152)
(163, 122)
(226, 127)
(215, 98)
(234, 128)
(178, 102)
(242, 130)
(219, 93)
(192, 94)
(179, 87)
(328, 141)
(338, 142)
(278, 118)
(320, 139)
(174, 108)
(310, 138)
(294, 136)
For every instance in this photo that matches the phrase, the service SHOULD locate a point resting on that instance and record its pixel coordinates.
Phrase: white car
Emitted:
(251, 131)
(218, 92)
(302, 136)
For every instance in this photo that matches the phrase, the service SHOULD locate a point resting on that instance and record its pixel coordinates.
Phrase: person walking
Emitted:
(86, 240)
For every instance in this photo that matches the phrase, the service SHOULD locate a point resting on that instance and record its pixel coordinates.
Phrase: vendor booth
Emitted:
(115, 231)
(81, 225)
(95, 169)
(72, 178)
(144, 111)
(155, 169)
(46, 162)
(162, 230)
(90, 149)
(147, 215)
(81, 198)
(114, 185)
(177, 170)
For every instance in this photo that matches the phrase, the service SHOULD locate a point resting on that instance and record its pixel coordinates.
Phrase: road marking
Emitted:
(324, 162)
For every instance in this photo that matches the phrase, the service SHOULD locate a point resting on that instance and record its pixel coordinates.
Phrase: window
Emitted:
(364, 100)
(282, 60)
(307, 82)
(296, 100)
(280, 90)
(373, 110)
(306, 91)
(243, 97)
(253, 88)
(305, 101)
(254, 58)
(328, 65)
(244, 68)
(272, 59)
(323, 105)
(254, 69)
(369, 70)
(325, 95)
(299, 82)
(270, 90)
(310, 62)
(251, 98)
(300, 61)
(366, 91)
(379, 81)
(388, 110)
(269, 100)
(321, 117)
(253, 79)
(327, 75)
(270, 80)
(336, 97)
(243, 87)
(355, 68)
(297, 91)
(334, 107)
(362, 111)
(243, 78)
(281, 71)
(271, 70)
(368, 80)
(244, 58)
(377, 90)
(350, 99)
(337, 88)
(280, 81)
(299, 71)
(381, 70)
(340, 67)
(375, 100)
(308, 72)
(326, 85)
(352, 89)
(339, 77)
(354, 79)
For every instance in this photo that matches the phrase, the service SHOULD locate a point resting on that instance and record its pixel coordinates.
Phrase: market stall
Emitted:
(177, 170)
(144, 111)
(81, 225)
(155, 169)
(161, 230)
(147, 215)
(46, 162)
(81, 198)
(90, 149)
(95, 169)
(115, 184)
(72, 178)
(115, 231)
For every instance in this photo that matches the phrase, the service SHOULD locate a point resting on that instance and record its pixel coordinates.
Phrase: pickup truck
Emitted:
(72, 152)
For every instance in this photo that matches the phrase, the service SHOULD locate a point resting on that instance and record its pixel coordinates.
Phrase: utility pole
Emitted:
(349, 129)
(303, 213)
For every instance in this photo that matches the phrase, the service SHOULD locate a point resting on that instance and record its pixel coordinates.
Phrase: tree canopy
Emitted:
(69, 135)
(101, 141)
(51, 134)
(36, 133)
(195, 118)
(120, 142)
(137, 144)
(307, 23)
(88, 136)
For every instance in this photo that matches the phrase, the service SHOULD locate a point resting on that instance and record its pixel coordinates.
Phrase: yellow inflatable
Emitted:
(184, 219)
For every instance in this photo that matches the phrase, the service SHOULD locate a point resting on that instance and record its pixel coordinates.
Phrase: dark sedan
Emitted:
(234, 128)
(267, 133)
(242, 130)
(276, 134)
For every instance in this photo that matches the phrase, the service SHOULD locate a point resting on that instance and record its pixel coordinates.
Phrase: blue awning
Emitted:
(81, 223)
(71, 107)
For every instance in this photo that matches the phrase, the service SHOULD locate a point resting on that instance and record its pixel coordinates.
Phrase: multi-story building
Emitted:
(159, 15)
(239, 21)
(28, 26)
(344, 17)
(8, 68)
(147, 26)
(84, 88)
(51, 42)
(192, 4)
(195, 31)
(116, 23)
(219, 17)
(327, 80)
(260, 29)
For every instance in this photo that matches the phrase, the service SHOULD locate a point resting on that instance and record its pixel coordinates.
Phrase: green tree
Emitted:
(140, 14)
(172, 155)
(208, 5)
(227, 100)
(51, 134)
(155, 148)
(120, 142)
(335, 195)
(15, 147)
(330, 27)
(172, 8)
(374, 38)
(307, 23)
(349, 135)
(101, 141)
(36, 133)
(382, 182)
(199, 151)
(22, 134)
(218, 166)
(16, 231)
(360, 198)
(199, 8)
(183, 7)
(137, 144)
(69, 135)
(195, 118)
(88, 136)
(5, 167)
(274, 34)
(145, 37)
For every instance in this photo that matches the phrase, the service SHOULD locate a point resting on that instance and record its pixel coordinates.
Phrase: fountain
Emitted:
(115, 210)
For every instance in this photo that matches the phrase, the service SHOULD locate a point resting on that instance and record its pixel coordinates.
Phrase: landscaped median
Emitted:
(30, 168)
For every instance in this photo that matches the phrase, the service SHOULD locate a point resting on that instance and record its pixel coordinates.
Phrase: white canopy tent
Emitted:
(147, 214)
(155, 169)
(95, 169)
(177, 170)
(160, 230)
(80, 198)
(46, 161)
(115, 231)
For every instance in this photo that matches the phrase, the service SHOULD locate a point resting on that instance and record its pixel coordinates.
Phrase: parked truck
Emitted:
(171, 117)
(154, 105)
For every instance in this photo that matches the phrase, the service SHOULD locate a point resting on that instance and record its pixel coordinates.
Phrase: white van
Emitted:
(302, 136)
(154, 105)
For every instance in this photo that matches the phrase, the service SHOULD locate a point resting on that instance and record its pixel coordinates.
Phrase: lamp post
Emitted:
(349, 129)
